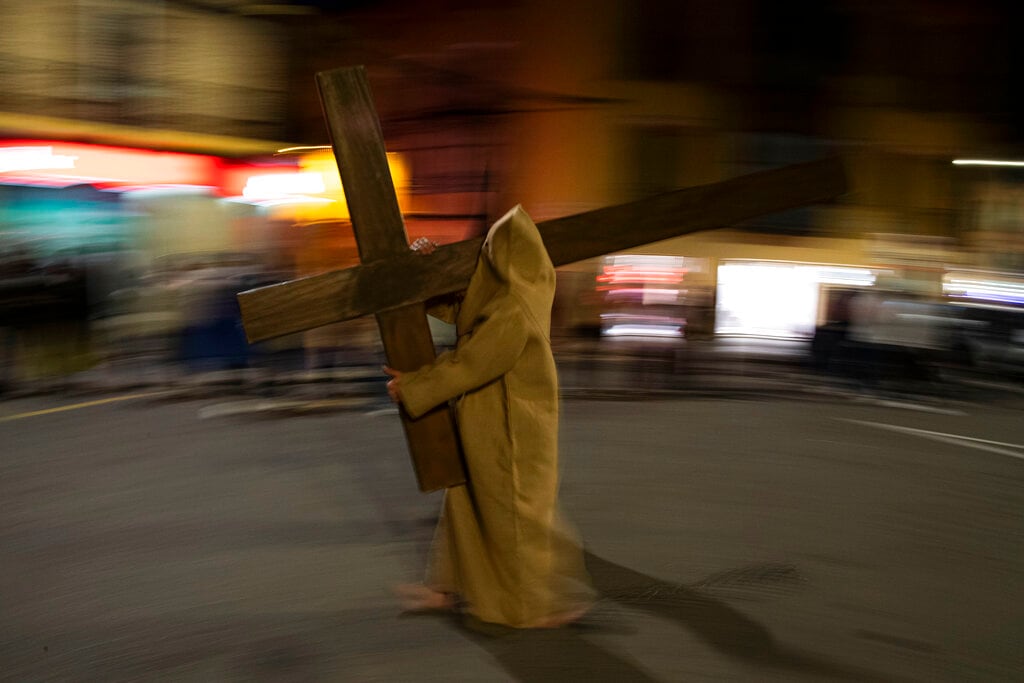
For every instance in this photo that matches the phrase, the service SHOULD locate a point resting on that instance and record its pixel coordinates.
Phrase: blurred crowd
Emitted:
(64, 315)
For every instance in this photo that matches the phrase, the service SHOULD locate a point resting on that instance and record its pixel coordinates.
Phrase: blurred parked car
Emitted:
(988, 338)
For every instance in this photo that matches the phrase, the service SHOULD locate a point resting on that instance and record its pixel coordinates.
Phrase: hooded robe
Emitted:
(500, 544)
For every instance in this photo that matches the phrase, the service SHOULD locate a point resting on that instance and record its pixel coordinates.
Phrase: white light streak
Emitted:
(642, 331)
(281, 185)
(986, 162)
(992, 290)
(33, 159)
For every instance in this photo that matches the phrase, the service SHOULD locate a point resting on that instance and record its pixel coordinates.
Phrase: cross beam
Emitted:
(354, 292)
(393, 283)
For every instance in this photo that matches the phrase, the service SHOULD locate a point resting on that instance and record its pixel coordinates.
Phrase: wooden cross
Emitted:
(393, 283)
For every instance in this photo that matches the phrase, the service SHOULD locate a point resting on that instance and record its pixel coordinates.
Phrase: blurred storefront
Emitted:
(778, 299)
(70, 197)
(168, 238)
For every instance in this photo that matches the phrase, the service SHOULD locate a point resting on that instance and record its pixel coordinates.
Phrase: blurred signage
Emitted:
(305, 185)
(60, 164)
(643, 295)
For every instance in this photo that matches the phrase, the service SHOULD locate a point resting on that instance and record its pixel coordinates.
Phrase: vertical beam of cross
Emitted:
(380, 234)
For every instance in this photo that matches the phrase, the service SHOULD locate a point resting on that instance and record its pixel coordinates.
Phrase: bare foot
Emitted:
(415, 597)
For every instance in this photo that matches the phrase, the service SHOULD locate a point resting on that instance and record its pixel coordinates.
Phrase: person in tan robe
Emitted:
(501, 546)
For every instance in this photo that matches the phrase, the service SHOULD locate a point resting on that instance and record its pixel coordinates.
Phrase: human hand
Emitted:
(394, 391)
(423, 245)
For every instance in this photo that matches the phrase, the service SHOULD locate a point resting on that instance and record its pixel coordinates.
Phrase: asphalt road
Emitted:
(158, 539)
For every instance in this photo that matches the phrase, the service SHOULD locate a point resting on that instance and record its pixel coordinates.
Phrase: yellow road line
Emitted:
(76, 406)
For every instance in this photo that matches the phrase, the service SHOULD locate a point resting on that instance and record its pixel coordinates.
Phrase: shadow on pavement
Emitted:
(554, 655)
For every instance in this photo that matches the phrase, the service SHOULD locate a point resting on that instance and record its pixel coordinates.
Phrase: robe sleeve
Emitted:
(492, 348)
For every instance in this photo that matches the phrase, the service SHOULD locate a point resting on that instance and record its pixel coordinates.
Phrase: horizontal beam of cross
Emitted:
(345, 294)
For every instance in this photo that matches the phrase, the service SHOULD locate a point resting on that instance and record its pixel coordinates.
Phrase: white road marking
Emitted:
(999, 386)
(917, 406)
(280, 405)
(956, 439)
(239, 408)
(907, 405)
(390, 410)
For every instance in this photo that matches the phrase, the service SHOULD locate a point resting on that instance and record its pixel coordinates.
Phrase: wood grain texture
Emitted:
(409, 278)
(362, 162)
(310, 302)
(380, 234)
(717, 205)
(433, 445)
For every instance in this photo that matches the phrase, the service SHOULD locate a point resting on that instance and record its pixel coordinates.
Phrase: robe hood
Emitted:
(519, 263)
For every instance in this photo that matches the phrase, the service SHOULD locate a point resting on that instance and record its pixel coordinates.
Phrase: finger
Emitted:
(423, 245)
(389, 371)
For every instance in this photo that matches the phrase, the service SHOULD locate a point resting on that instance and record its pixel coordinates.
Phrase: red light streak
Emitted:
(631, 274)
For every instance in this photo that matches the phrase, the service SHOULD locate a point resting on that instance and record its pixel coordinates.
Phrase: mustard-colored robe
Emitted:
(500, 544)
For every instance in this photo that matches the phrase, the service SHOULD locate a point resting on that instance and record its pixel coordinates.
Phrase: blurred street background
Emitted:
(159, 156)
(156, 158)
